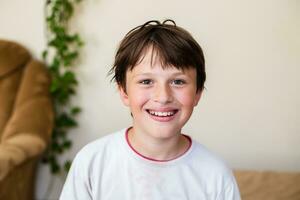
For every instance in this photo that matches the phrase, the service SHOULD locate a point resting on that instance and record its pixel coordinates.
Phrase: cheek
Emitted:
(138, 98)
(186, 98)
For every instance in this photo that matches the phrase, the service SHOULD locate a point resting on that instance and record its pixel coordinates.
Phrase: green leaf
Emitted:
(55, 64)
(67, 165)
(55, 168)
(67, 144)
(65, 120)
(70, 57)
(75, 110)
(69, 78)
(44, 54)
(54, 86)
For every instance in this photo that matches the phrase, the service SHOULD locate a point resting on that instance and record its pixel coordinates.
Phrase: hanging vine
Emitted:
(60, 55)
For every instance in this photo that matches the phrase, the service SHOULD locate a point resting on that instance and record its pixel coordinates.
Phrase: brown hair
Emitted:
(174, 46)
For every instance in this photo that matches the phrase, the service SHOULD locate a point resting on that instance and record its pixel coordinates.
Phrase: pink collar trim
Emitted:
(152, 159)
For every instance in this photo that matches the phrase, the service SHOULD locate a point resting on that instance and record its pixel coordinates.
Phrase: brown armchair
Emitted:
(26, 119)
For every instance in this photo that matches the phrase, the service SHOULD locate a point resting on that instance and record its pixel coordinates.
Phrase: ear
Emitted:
(123, 96)
(197, 97)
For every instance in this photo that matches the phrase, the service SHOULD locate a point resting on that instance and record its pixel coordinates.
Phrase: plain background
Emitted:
(249, 113)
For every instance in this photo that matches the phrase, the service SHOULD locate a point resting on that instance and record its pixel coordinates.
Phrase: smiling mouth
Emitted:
(162, 114)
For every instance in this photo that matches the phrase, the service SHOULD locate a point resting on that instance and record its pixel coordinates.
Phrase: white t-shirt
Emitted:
(109, 169)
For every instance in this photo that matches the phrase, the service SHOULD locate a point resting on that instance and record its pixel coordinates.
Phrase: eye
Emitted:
(146, 82)
(178, 82)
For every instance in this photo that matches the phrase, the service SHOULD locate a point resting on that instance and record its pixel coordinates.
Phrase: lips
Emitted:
(162, 115)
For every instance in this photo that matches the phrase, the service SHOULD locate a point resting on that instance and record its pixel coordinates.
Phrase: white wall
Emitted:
(249, 113)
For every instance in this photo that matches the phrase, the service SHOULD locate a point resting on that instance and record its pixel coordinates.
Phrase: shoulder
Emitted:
(98, 150)
(214, 171)
(208, 162)
(104, 141)
(88, 166)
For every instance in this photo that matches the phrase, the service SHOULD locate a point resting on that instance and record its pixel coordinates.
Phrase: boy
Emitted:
(160, 73)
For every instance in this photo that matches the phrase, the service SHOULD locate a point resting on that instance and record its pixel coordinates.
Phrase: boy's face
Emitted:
(161, 100)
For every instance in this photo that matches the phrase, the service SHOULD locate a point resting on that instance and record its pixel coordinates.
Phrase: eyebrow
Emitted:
(147, 73)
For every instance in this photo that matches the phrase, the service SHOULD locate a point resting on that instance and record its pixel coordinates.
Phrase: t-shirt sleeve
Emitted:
(231, 190)
(77, 185)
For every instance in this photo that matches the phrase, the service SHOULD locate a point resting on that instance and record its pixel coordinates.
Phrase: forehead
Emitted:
(151, 59)
(150, 65)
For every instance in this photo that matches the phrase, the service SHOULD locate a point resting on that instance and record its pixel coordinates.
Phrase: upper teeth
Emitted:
(161, 113)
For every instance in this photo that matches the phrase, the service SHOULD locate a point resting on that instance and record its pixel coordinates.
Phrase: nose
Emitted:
(162, 94)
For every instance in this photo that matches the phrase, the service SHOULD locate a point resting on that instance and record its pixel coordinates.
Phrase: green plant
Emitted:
(60, 54)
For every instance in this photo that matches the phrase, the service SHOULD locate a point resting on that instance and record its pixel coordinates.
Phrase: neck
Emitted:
(157, 148)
